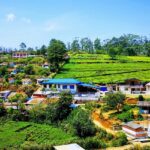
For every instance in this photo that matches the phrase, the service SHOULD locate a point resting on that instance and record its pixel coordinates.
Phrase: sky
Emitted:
(36, 22)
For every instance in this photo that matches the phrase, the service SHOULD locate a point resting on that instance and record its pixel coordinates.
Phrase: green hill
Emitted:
(26, 134)
(97, 68)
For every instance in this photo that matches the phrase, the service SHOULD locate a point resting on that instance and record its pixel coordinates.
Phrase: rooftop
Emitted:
(133, 125)
(68, 147)
(61, 81)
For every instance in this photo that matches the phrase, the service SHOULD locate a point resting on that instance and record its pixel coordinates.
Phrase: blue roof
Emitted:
(89, 85)
(61, 81)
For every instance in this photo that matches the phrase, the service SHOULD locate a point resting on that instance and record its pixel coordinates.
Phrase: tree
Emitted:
(56, 52)
(29, 70)
(23, 46)
(19, 98)
(2, 108)
(87, 45)
(75, 46)
(82, 123)
(113, 52)
(61, 109)
(43, 50)
(97, 44)
(115, 100)
(141, 98)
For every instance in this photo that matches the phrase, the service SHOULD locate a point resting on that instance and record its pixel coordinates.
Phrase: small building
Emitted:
(144, 106)
(26, 81)
(11, 80)
(131, 86)
(134, 130)
(61, 84)
(147, 88)
(20, 54)
(73, 146)
(41, 94)
(4, 94)
(45, 65)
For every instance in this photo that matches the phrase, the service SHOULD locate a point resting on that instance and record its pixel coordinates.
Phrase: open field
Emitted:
(101, 69)
(14, 134)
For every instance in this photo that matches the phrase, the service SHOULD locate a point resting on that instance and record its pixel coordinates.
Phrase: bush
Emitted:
(120, 140)
(92, 143)
(141, 98)
(81, 123)
(126, 116)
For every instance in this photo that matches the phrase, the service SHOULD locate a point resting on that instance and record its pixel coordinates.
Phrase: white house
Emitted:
(134, 130)
(148, 88)
(61, 84)
(131, 86)
(26, 81)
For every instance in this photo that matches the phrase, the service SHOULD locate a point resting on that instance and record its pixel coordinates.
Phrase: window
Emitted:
(58, 86)
(64, 86)
(72, 87)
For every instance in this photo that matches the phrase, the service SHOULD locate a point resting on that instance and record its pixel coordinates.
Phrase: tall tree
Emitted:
(43, 50)
(87, 45)
(75, 46)
(115, 100)
(56, 52)
(97, 44)
(23, 46)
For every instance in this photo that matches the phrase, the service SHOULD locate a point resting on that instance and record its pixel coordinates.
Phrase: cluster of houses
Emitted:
(83, 92)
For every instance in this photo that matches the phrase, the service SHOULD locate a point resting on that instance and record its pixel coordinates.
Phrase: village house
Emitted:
(26, 81)
(134, 130)
(131, 86)
(72, 146)
(45, 65)
(11, 80)
(20, 54)
(4, 94)
(144, 107)
(81, 91)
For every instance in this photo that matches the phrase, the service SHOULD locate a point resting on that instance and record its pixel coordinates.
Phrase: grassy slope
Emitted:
(101, 69)
(13, 134)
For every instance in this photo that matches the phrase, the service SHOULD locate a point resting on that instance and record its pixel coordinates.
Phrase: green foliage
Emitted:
(81, 123)
(101, 69)
(92, 143)
(126, 116)
(22, 135)
(141, 98)
(120, 140)
(3, 71)
(115, 100)
(56, 51)
(29, 70)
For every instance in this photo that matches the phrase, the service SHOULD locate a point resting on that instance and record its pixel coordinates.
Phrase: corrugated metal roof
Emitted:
(61, 81)
(69, 147)
(133, 125)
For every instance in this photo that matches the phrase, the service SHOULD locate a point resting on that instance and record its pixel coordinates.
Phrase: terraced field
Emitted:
(101, 69)
(14, 134)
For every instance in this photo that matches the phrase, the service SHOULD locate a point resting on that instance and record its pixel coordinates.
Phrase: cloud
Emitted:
(26, 20)
(10, 17)
(52, 26)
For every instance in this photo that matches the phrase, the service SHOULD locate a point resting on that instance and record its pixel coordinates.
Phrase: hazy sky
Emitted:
(35, 22)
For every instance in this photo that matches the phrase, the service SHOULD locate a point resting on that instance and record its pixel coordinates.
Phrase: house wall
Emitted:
(60, 87)
(124, 89)
(148, 89)
(136, 133)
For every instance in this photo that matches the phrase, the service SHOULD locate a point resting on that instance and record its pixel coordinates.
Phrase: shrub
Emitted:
(92, 143)
(141, 98)
(120, 140)
(126, 116)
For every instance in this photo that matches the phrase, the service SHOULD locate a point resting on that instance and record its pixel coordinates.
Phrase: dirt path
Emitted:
(102, 123)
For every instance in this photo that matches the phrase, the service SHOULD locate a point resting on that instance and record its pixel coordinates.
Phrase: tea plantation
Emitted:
(14, 135)
(99, 68)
